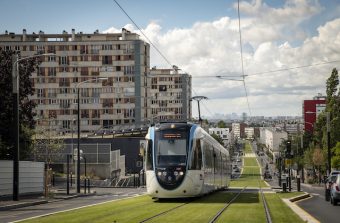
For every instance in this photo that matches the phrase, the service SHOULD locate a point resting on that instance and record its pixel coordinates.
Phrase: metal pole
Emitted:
(68, 174)
(199, 113)
(78, 145)
(15, 100)
(328, 143)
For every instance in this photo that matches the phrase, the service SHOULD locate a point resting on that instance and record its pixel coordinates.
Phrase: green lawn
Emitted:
(279, 211)
(247, 207)
(248, 148)
(128, 210)
(250, 161)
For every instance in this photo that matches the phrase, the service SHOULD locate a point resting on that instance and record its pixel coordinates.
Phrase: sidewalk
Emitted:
(30, 200)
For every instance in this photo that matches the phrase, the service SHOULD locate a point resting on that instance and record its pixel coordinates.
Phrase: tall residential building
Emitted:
(170, 94)
(236, 129)
(311, 109)
(121, 57)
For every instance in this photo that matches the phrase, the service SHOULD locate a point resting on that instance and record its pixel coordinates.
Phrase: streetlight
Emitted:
(78, 119)
(198, 99)
(328, 139)
(16, 101)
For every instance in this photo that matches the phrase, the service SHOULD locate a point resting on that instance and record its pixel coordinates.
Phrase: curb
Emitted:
(33, 203)
(301, 197)
(22, 205)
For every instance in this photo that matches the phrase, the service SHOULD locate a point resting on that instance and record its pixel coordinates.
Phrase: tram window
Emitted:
(196, 159)
(149, 160)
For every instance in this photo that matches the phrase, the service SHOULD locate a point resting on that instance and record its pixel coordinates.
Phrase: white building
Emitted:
(236, 130)
(272, 138)
(249, 132)
(224, 133)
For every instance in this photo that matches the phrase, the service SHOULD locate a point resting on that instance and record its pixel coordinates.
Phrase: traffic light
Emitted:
(289, 149)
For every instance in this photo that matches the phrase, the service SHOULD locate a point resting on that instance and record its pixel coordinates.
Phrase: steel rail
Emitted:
(226, 206)
(265, 205)
(164, 212)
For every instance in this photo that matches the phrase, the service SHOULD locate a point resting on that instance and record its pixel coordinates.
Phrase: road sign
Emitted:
(288, 162)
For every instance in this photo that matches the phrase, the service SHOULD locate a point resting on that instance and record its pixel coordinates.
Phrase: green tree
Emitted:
(26, 67)
(221, 124)
(218, 138)
(336, 156)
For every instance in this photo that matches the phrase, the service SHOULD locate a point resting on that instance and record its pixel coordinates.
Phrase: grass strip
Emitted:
(279, 211)
(250, 161)
(201, 210)
(247, 207)
(128, 210)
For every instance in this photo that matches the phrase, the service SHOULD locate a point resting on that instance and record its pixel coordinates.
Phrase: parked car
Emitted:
(335, 190)
(328, 183)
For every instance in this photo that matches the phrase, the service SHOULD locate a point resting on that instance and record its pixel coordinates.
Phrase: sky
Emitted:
(202, 38)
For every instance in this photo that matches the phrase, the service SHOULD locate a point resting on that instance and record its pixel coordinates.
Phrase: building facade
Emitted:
(249, 132)
(311, 109)
(170, 94)
(80, 60)
(272, 138)
(236, 129)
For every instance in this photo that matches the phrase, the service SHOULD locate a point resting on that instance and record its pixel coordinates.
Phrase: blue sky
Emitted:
(89, 15)
(201, 37)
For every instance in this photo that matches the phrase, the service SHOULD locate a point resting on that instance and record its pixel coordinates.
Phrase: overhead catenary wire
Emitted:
(154, 46)
(225, 77)
(240, 35)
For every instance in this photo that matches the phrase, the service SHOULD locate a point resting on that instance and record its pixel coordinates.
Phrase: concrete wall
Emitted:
(31, 177)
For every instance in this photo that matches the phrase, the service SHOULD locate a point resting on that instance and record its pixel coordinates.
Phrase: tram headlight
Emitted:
(176, 173)
(181, 173)
(159, 173)
(164, 173)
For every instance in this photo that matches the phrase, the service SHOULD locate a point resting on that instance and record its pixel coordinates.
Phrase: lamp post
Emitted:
(198, 99)
(16, 105)
(78, 119)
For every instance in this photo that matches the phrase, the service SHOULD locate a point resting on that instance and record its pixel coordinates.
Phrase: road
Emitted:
(316, 206)
(103, 195)
(322, 210)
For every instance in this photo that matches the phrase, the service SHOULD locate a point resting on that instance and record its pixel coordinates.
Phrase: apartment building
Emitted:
(170, 94)
(311, 109)
(249, 132)
(236, 129)
(80, 60)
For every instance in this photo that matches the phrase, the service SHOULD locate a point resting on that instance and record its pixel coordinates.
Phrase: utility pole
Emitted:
(328, 143)
(198, 99)
(15, 100)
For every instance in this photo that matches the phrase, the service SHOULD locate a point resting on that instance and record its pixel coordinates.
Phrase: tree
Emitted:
(221, 124)
(47, 146)
(336, 156)
(218, 138)
(27, 123)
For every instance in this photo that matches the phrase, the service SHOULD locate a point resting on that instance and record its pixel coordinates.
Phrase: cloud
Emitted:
(212, 48)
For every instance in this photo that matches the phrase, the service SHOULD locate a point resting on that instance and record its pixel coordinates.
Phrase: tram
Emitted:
(182, 160)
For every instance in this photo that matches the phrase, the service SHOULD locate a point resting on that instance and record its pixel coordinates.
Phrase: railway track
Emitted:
(214, 219)
(265, 205)
(164, 212)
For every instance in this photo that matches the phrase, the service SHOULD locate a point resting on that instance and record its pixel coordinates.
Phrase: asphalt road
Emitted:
(103, 195)
(316, 206)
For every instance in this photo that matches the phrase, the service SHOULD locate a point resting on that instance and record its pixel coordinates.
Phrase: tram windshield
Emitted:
(171, 148)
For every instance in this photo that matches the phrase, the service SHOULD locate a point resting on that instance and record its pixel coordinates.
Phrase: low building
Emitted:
(272, 138)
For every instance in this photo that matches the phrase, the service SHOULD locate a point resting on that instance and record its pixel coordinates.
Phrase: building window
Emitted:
(52, 71)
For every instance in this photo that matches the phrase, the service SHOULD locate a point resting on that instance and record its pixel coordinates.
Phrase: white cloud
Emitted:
(212, 48)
